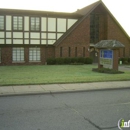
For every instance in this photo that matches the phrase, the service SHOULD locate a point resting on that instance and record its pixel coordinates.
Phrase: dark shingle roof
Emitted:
(87, 9)
(112, 44)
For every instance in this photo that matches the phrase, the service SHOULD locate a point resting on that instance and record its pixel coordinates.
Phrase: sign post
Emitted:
(108, 53)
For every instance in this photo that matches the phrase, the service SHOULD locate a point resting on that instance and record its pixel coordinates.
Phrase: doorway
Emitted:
(94, 55)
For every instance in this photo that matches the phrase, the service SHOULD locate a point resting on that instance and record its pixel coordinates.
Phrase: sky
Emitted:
(119, 8)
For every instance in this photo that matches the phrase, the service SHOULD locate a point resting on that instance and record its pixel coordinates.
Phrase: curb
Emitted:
(60, 92)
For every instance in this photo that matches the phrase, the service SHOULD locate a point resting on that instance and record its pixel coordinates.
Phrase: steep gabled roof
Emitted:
(87, 9)
(84, 12)
(111, 44)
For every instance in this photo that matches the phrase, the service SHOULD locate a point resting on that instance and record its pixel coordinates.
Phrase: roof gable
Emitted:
(85, 12)
(89, 9)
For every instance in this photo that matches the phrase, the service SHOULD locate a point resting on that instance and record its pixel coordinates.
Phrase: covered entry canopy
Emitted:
(109, 44)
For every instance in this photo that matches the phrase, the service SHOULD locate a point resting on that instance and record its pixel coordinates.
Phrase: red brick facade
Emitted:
(78, 38)
(6, 56)
(115, 32)
(77, 42)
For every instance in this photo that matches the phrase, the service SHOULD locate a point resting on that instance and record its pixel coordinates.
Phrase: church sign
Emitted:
(106, 58)
(108, 53)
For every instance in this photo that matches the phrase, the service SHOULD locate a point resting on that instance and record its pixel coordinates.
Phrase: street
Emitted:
(94, 110)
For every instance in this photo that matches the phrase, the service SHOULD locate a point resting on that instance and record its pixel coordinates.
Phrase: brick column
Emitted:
(115, 59)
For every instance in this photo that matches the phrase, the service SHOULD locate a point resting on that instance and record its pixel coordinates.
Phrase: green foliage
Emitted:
(51, 61)
(74, 61)
(88, 60)
(67, 60)
(128, 60)
(81, 60)
(59, 61)
(124, 60)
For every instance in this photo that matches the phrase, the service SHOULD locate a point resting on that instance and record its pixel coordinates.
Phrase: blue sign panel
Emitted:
(106, 58)
(106, 54)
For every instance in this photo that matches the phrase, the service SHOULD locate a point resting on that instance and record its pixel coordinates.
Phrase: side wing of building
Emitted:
(27, 37)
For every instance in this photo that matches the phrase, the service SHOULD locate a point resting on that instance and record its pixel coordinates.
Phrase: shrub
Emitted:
(81, 60)
(59, 61)
(88, 60)
(124, 60)
(67, 60)
(74, 60)
(128, 60)
(51, 61)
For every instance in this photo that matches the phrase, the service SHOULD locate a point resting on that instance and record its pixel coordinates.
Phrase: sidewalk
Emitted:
(62, 88)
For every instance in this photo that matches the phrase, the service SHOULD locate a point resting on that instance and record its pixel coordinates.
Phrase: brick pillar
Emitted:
(6, 53)
(115, 59)
(26, 52)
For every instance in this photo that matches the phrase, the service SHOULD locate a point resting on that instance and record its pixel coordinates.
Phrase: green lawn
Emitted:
(43, 74)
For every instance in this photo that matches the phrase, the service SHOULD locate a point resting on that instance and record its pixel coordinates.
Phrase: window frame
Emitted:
(31, 51)
(0, 55)
(69, 51)
(17, 23)
(35, 24)
(76, 52)
(94, 27)
(84, 51)
(2, 22)
(19, 56)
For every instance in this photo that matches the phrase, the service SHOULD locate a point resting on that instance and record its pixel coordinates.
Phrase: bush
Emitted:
(60, 61)
(124, 60)
(88, 60)
(51, 61)
(67, 60)
(74, 61)
(81, 60)
(128, 60)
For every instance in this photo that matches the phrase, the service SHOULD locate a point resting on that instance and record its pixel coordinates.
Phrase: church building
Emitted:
(31, 37)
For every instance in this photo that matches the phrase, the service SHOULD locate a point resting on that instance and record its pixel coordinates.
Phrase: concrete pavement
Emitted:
(62, 88)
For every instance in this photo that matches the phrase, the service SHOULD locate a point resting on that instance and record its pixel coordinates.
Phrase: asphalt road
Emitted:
(96, 110)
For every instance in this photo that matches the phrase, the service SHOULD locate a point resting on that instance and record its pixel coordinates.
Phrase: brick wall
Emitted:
(102, 27)
(102, 22)
(115, 32)
(79, 38)
(6, 55)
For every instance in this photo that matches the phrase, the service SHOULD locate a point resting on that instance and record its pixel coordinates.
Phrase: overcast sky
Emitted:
(119, 8)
